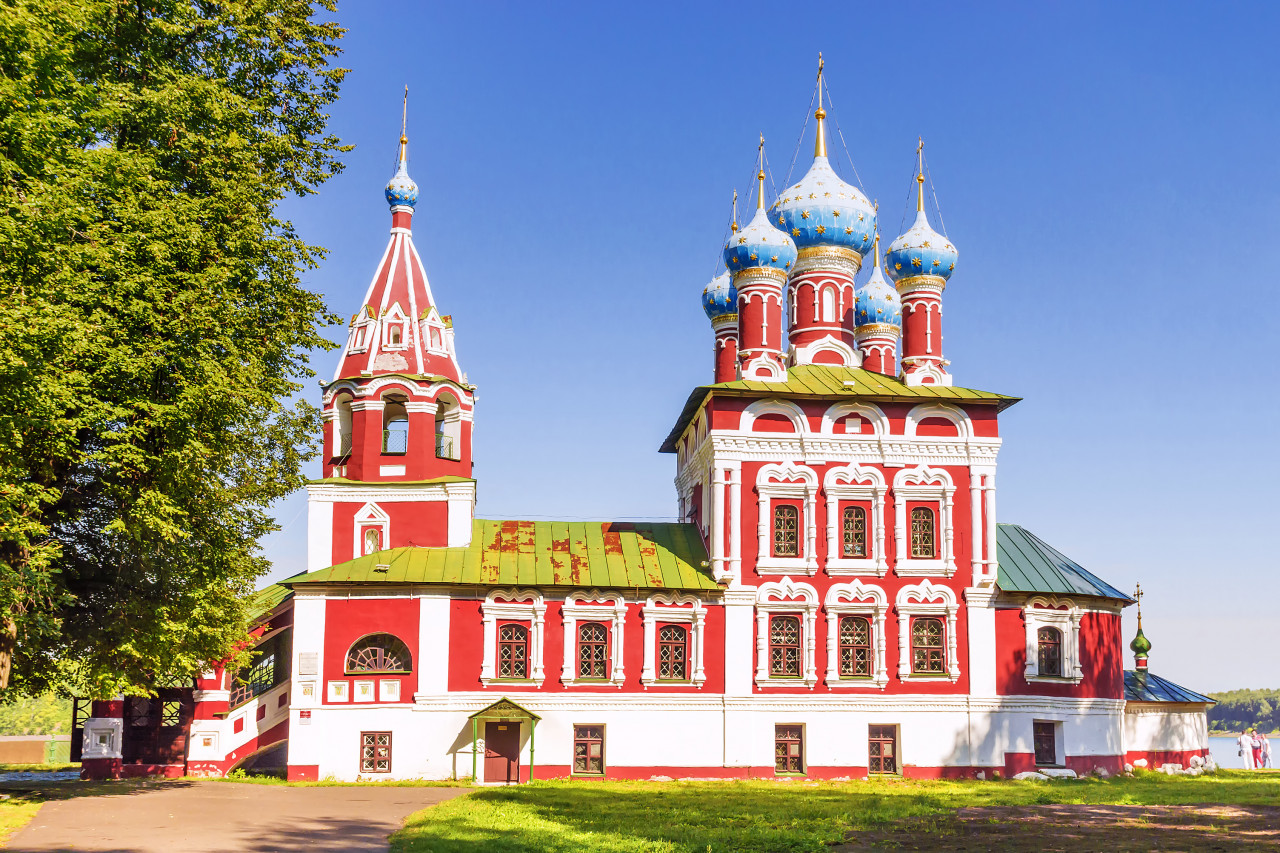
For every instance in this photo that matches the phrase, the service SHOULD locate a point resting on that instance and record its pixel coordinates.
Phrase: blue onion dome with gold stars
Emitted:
(720, 297)
(877, 301)
(921, 250)
(401, 190)
(823, 210)
(759, 244)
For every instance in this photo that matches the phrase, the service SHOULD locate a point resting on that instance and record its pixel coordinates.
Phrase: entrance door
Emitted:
(502, 752)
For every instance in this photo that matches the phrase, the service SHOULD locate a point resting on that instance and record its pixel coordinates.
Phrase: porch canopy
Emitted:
(504, 710)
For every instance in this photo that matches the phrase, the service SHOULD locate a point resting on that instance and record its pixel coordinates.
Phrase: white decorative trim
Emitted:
(1044, 612)
(787, 409)
(388, 492)
(957, 416)
(855, 483)
(856, 599)
(510, 604)
(925, 484)
(765, 608)
(914, 373)
(674, 607)
(806, 490)
(849, 357)
(571, 613)
(775, 371)
(370, 515)
(925, 599)
(879, 421)
(103, 737)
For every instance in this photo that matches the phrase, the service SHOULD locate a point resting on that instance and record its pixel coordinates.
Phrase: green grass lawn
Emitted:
(15, 813)
(9, 768)
(715, 817)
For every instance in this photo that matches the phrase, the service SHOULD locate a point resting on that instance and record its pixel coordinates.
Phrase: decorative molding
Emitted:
(856, 599)
(777, 598)
(522, 605)
(571, 613)
(681, 608)
(855, 483)
(925, 599)
(775, 481)
(924, 484)
(1060, 613)
(370, 516)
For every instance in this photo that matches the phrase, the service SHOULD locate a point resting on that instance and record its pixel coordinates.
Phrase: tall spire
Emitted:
(820, 141)
(404, 123)
(401, 191)
(760, 175)
(733, 222)
(920, 176)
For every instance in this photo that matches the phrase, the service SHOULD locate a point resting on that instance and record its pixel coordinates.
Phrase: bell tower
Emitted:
(397, 413)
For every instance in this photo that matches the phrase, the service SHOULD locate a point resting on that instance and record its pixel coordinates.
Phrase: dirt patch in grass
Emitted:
(1078, 828)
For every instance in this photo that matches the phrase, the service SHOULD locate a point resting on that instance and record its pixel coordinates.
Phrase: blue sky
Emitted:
(1107, 171)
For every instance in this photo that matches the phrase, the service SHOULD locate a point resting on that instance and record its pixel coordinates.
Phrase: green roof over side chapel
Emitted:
(1029, 564)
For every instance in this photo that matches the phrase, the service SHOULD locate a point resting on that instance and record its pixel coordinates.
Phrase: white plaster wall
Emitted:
(433, 644)
(319, 532)
(305, 740)
(1155, 728)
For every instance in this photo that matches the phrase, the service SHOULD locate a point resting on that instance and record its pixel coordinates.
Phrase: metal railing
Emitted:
(395, 441)
(445, 448)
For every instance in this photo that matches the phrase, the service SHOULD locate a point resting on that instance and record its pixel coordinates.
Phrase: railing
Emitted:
(444, 448)
(344, 444)
(395, 442)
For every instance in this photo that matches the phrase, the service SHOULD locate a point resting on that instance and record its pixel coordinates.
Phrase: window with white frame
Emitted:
(855, 636)
(593, 632)
(786, 612)
(395, 326)
(924, 530)
(513, 622)
(855, 521)
(788, 526)
(927, 632)
(674, 626)
(1053, 640)
(362, 330)
(372, 530)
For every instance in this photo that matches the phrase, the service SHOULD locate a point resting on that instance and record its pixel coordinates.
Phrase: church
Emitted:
(837, 599)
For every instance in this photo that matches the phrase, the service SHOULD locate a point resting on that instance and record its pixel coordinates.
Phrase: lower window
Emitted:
(788, 749)
(882, 749)
(375, 752)
(927, 646)
(1045, 735)
(588, 750)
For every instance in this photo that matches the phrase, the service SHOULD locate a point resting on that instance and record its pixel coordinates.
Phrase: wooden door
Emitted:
(502, 752)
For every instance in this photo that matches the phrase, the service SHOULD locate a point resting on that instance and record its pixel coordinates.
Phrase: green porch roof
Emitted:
(1143, 686)
(1029, 564)
(606, 554)
(820, 381)
(266, 600)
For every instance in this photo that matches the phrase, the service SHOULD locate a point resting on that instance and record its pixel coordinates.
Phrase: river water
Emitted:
(1223, 750)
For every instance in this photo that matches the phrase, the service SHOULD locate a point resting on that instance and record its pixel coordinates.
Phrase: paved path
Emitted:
(224, 817)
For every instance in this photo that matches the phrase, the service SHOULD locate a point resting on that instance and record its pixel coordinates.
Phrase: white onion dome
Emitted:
(759, 244)
(920, 251)
(823, 210)
(720, 297)
(877, 301)
(401, 190)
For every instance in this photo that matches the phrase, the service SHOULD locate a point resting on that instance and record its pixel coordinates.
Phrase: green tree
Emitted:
(152, 323)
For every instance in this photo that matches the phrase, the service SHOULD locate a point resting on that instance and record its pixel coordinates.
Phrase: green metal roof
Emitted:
(434, 481)
(266, 600)
(1142, 686)
(607, 554)
(820, 381)
(1029, 564)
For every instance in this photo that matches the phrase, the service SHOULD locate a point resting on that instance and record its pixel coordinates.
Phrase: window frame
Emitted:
(370, 516)
(783, 511)
(776, 619)
(513, 605)
(1046, 730)
(582, 734)
(924, 488)
(1049, 638)
(682, 645)
(348, 670)
(600, 642)
(857, 514)
(927, 599)
(922, 513)
(796, 485)
(593, 606)
(842, 646)
(874, 729)
(792, 735)
(1064, 615)
(523, 644)
(674, 608)
(370, 739)
(847, 487)
(786, 597)
(940, 650)
(856, 599)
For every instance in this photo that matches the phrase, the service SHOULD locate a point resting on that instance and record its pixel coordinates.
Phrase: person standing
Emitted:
(1246, 749)
(1266, 750)
(1256, 743)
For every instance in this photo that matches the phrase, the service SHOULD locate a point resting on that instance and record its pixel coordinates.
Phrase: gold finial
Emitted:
(820, 141)
(1137, 596)
(875, 251)
(920, 175)
(404, 120)
(760, 175)
(733, 223)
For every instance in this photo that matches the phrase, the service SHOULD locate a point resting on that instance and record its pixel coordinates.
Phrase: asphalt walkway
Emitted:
(223, 817)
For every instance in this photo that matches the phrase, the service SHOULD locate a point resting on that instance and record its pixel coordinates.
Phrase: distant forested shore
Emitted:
(1242, 709)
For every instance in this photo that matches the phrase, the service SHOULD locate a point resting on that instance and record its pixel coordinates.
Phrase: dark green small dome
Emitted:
(1140, 645)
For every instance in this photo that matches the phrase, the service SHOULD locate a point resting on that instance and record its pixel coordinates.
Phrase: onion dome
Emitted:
(401, 190)
(720, 297)
(921, 250)
(877, 302)
(759, 244)
(823, 210)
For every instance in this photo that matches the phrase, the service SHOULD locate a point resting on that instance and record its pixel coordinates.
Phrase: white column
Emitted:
(992, 538)
(975, 524)
(647, 670)
(735, 522)
(307, 744)
(319, 532)
(717, 522)
(433, 644)
(982, 640)
(739, 640)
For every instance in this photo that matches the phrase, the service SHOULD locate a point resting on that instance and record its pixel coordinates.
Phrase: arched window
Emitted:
(786, 531)
(379, 653)
(593, 650)
(513, 651)
(673, 653)
(928, 651)
(828, 305)
(854, 523)
(922, 539)
(395, 426)
(448, 428)
(1049, 642)
(395, 335)
(342, 430)
(855, 647)
(784, 646)
(372, 540)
